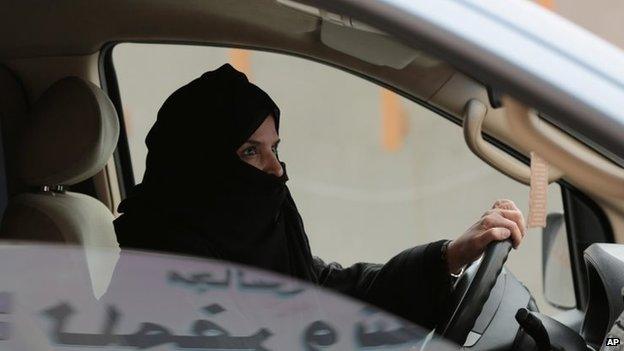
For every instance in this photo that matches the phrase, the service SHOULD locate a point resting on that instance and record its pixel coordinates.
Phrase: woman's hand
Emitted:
(504, 220)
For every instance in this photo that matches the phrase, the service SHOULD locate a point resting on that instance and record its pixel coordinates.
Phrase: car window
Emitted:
(372, 173)
(192, 304)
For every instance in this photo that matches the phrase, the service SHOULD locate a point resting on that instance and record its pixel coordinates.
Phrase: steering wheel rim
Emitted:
(471, 293)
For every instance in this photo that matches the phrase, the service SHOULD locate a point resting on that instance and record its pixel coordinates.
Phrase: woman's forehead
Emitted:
(266, 131)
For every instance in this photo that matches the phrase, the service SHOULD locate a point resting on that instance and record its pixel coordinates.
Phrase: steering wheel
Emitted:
(472, 291)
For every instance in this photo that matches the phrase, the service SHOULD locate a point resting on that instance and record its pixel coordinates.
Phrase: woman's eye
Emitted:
(250, 151)
(274, 149)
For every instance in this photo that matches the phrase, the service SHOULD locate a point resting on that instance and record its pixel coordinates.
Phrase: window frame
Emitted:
(110, 85)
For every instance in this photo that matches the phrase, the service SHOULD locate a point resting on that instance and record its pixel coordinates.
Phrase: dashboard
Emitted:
(510, 303)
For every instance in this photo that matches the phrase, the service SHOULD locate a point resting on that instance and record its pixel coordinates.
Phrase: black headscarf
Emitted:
(197, 197)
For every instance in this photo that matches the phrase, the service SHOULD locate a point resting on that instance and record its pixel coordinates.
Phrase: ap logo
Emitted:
(613, 342)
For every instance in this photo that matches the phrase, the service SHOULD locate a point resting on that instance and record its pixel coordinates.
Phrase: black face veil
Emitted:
(197, 197)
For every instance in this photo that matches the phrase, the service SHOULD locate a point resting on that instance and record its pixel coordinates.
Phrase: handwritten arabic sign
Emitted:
(164, 302)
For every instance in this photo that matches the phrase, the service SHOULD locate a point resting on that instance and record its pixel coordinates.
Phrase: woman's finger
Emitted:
(497, 220)
(494, 234)
(515, 216)
(505, 204)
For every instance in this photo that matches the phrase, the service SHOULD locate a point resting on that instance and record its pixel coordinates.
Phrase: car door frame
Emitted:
(580, 210)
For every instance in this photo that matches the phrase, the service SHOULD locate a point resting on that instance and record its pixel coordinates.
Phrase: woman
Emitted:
(214, 187)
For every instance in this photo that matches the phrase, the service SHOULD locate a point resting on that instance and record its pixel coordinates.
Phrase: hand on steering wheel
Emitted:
(504, 220)
(493, 235)
(472, 292)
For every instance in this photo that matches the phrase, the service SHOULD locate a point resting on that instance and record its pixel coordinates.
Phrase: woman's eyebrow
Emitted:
(256, 142)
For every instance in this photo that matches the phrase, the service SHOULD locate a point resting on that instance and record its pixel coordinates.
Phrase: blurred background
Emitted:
(372, 173)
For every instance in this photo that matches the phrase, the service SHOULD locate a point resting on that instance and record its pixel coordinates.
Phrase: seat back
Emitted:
(68, 136)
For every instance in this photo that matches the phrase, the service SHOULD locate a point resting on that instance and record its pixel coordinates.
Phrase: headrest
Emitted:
(69, 136)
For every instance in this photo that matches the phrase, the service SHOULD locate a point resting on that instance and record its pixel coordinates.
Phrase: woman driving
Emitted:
(214, 187)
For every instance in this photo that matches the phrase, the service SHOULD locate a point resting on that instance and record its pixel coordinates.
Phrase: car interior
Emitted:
(66, 162)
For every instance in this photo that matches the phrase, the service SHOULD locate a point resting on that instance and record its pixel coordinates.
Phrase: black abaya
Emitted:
(197, 197)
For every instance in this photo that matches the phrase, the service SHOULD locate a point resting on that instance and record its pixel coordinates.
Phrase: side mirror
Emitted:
(556, 267)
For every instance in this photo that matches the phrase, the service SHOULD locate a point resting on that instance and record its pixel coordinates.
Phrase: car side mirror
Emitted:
(556, 267)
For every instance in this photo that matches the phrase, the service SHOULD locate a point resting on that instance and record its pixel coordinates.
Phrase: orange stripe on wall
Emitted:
(393, 121)
(549, 4)
(241, 60)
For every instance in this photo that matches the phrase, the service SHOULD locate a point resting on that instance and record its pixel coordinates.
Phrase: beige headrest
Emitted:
(69, 136)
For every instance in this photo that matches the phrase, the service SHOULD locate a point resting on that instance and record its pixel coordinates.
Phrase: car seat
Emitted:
(68, 136)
